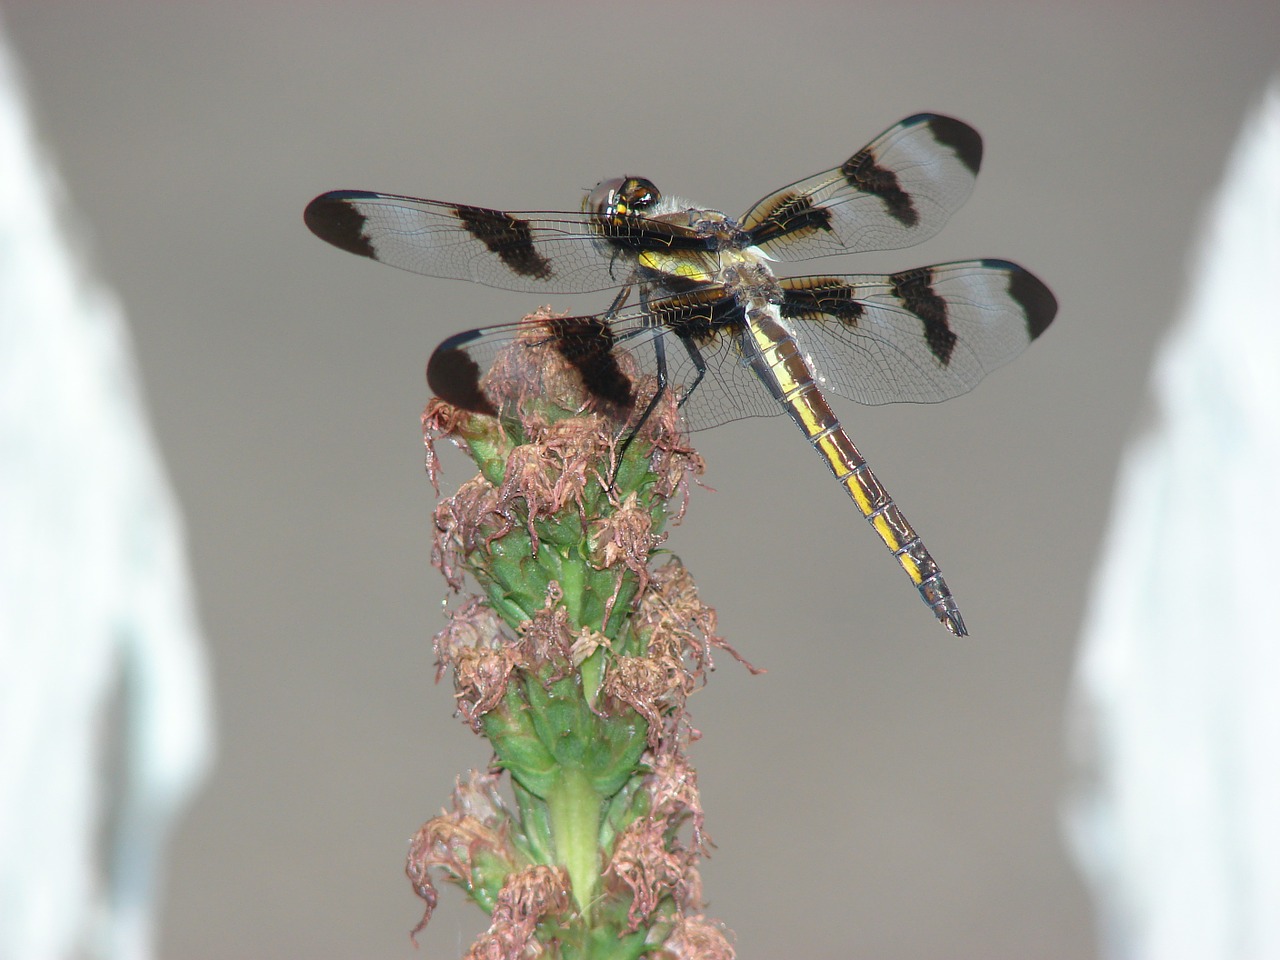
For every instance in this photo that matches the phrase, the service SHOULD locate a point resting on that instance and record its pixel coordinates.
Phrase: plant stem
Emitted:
(575, 823)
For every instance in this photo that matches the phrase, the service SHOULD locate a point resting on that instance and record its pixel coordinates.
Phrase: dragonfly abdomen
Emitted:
(778, 361)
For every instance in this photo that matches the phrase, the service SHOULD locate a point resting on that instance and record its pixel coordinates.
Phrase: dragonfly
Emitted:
(712, 319)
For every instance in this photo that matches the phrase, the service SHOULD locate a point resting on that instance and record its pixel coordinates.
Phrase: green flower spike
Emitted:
(576, 664)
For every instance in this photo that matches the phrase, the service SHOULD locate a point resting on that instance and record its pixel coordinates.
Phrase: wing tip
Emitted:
(334, 219)
(1037, 301)
(963, 139)
(1035, 298)
(454, 376)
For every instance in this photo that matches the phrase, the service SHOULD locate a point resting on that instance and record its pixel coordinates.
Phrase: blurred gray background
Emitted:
(884, 790)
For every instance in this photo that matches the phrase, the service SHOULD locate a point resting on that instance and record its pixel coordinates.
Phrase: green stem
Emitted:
(571, 576)
(592, 671)
(575, 823)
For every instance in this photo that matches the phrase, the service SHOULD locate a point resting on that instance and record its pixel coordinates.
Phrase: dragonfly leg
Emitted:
(660, 364)
(699, 364)
(618, 302)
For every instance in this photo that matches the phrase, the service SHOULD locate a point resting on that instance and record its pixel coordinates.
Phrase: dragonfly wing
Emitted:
(540, 252)
(918, 336)
(690, 340)
(898, 190)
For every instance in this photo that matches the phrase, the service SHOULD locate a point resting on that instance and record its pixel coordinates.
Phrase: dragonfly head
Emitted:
(622, 197)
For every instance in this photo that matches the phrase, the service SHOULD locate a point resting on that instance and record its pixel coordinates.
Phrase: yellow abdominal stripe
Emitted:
(912, 568)
(675, 265)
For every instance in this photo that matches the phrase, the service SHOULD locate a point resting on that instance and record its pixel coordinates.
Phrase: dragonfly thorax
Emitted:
(722, 231)
(750, 280)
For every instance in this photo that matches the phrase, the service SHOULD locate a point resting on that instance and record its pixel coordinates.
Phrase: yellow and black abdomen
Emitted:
(777, 360)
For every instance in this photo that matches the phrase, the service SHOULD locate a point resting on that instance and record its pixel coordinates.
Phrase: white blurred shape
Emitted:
(97, 619)
(1176, 717)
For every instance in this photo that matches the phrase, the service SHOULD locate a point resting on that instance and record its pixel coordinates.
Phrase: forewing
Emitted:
(532, 251)
(895, 192)
(921, 335)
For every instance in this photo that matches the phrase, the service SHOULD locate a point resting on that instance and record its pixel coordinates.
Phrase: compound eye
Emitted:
(638, 195)
(604, 198)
